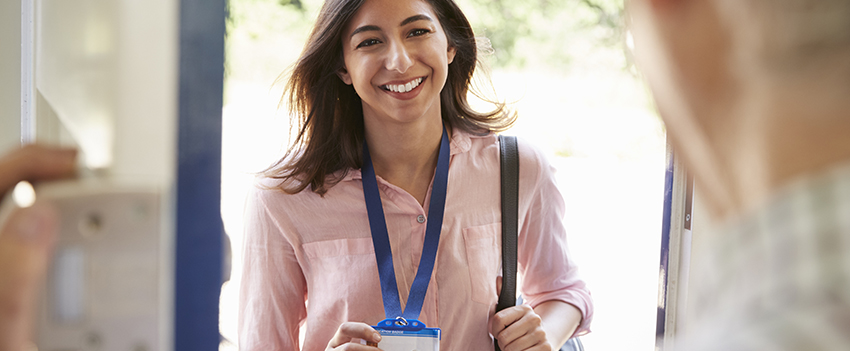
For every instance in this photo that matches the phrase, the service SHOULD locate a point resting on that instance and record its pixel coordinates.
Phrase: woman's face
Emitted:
(396, 57)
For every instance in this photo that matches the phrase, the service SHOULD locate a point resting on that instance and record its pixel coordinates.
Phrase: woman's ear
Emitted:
(343, 74)
(451, 54)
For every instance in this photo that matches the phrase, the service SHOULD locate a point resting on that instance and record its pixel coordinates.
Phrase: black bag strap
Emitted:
(509, 160)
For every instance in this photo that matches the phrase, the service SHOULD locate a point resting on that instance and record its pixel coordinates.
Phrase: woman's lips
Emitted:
(403, 87)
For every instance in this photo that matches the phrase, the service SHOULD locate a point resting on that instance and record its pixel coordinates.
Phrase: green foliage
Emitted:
(551, 34)
(265, 36)
(294, 3)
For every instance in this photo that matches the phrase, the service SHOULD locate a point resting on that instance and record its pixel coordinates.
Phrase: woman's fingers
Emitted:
(353, 346)
(349, 331)
(506, 317)
(526, 325)
(534, 338)
(518, 328)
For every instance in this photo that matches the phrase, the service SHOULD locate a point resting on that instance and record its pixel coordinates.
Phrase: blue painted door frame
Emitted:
(199, 238)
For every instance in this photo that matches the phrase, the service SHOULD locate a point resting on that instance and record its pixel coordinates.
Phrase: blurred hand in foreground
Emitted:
(26, 239)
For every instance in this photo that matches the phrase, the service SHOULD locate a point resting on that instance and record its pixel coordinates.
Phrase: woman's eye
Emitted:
(418, 32)
(368, 42)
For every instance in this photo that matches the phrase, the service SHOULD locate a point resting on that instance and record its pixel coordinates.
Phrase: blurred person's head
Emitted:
(753, 92)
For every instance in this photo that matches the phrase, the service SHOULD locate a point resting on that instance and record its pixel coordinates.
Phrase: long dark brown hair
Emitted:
(329, 115)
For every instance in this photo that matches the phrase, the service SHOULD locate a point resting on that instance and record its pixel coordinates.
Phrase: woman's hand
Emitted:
(348, 335)
(519, 328)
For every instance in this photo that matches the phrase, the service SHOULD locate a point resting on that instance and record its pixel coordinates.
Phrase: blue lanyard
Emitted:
(381, 239)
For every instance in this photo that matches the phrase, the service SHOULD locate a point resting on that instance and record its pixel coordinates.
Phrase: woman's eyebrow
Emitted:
(414, 19)
(362, 29)
(371, 28)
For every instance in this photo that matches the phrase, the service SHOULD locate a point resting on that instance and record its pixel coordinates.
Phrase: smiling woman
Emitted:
(348, 52)
(380, 98)
(387, 61)
(384, 55)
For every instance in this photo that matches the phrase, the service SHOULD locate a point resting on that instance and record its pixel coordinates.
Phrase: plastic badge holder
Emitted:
(403, 335)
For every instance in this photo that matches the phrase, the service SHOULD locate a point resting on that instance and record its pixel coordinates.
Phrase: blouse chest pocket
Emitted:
(341, 265)
(483, 255)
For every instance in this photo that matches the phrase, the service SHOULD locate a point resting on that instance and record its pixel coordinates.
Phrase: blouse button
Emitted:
(420, 219)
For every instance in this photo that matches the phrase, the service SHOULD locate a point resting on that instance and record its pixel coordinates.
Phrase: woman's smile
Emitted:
(404, 90)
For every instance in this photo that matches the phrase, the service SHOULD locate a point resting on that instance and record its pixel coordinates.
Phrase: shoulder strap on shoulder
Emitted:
(509, 159)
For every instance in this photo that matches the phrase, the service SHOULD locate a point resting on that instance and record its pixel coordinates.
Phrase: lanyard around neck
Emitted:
(381, 239)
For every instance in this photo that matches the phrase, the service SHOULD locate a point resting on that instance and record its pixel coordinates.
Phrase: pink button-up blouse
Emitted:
(309, 261)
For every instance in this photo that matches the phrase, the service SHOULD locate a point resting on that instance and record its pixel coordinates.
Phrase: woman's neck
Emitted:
(405, 155)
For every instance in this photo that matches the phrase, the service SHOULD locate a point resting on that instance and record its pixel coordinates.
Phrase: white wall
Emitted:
(113, 61)
(10, 77)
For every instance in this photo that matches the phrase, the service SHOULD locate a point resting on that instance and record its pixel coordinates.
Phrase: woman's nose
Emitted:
(398, 58)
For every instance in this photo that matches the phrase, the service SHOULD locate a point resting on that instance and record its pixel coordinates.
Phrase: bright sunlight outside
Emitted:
(564, 64)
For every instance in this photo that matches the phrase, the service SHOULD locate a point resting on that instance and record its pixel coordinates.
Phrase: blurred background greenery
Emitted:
(521, 33)
(565, 66)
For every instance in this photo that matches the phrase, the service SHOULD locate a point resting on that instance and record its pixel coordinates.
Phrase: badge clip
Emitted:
(399, 323)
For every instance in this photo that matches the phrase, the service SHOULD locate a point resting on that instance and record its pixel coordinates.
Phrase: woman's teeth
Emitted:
(403, 88)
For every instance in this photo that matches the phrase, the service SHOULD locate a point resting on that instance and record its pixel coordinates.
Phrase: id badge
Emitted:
(403, 335)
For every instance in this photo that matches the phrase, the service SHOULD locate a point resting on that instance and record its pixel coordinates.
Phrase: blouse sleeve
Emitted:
(273, 289)
(547, 270)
